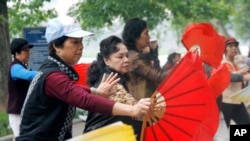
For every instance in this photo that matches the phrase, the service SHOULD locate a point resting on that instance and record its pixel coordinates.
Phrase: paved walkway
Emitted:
(78, 126)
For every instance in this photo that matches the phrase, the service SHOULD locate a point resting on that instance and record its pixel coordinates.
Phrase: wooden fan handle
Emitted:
(143, 127)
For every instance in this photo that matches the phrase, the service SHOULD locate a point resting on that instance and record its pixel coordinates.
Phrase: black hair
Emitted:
(172, 56)
(58, 43)
(96, 69)
(132, 31)
(18, 51)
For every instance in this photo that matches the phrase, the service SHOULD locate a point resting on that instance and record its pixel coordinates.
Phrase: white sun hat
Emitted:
(64, 26)
(152, 39)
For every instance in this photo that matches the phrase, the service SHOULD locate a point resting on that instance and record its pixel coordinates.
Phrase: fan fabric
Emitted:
(242, 95)
(210, 43)
(81, 70)
(190, 113)
(219, 80)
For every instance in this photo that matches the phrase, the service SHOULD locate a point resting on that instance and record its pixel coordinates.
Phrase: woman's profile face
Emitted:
(71, 51)
(119, 60)
(24, 55)
(142, 41)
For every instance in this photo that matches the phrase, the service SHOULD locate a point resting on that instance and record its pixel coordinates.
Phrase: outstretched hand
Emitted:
(104, 89)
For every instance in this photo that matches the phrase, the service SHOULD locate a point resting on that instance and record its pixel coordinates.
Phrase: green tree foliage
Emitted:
(27, 14)
(187, 11)
(241, 22)
(4, 124)
(20, 14)
(97, 13)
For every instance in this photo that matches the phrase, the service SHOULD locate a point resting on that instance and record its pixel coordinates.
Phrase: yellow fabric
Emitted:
(114, 132)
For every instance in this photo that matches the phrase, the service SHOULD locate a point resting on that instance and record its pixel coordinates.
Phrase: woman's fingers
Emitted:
(107, 83)
(111, 79)
(143, 107)
(103, 78)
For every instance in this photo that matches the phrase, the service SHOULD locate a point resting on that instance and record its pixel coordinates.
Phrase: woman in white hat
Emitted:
(54, 94)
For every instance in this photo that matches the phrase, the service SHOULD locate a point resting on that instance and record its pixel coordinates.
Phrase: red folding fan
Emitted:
(204, 37)
(185, 108)
(82, 69)
(219, 80)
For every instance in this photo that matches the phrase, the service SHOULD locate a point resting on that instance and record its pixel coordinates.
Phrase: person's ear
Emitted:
(57, 49)
(106, 61)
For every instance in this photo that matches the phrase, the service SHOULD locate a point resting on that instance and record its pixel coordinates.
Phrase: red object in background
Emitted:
(190, 111)
(219, 80)
(82, 70)
(205, 37)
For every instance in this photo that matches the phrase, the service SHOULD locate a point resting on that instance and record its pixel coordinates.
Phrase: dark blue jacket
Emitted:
(17, 91)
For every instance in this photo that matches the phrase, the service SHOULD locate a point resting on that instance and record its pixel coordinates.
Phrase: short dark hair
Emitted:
(58, 43)
(231, 40)
(172, 56)
(131, 31)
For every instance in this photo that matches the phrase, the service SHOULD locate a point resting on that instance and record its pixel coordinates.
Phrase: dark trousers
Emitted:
(236, 112)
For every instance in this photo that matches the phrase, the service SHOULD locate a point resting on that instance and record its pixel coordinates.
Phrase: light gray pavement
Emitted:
(78, 126)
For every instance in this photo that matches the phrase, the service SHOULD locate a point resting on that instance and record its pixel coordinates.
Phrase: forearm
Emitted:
(122, 109)
(137, 110)
(236, 77)
(58, 85)
(19, 72)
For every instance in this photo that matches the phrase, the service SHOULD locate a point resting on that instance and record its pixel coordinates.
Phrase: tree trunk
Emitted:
(5, 56)
(221, 28)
